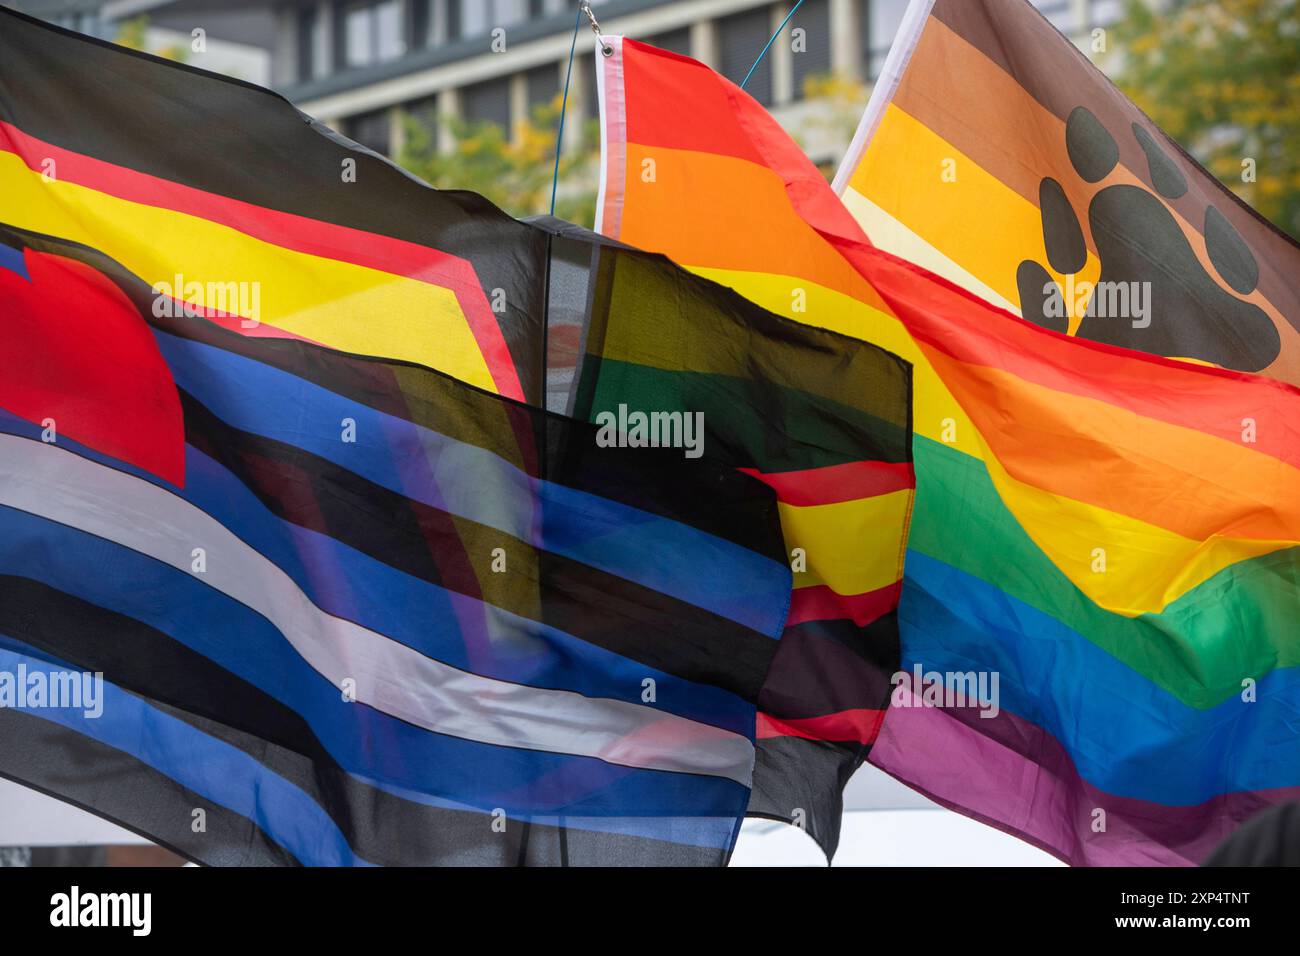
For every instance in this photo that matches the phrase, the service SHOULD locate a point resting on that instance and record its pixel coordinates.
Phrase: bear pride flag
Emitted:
(264, 468)
(1101, 583)
(995, 154)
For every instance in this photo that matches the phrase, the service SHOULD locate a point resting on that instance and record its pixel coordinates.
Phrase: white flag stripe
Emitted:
(900, 53)
(44, 480)
(888, 233)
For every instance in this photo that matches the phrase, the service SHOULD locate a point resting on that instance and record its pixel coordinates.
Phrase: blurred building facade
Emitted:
(234, 36)
(360, 64)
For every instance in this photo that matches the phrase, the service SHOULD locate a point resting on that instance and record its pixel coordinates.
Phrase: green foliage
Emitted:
(1222, 77)
(514, 171)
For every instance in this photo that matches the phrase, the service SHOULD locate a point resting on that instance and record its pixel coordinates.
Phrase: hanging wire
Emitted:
(564, 103)
(792, 12)
(584, 9)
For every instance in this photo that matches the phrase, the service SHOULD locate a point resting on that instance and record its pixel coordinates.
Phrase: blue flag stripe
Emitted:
(474, 483)
(437, 622)
(1109, 718)
(411, 758)
(210, 767)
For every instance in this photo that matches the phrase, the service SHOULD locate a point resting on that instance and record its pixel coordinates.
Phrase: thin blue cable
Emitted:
(792, 12)
(564, 105)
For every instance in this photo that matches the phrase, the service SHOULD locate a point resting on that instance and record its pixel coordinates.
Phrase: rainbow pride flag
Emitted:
(700, 189)
(1100, 595)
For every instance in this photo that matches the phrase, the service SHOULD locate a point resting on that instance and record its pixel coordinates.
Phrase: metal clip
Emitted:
(605, 48)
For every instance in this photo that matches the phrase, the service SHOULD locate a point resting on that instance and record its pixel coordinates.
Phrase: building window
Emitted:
(306, 43)
(814, 58)
(675, 41)
(591, 99)
(740, 39)
(85, 21)
(1058, 12)
(880, 21)
(543, 83)
(419, 23)
(1103, 13)
(372, 130)
(373, 33)
(451, 28)
(474, 18)
(425, 115)
(487, 102)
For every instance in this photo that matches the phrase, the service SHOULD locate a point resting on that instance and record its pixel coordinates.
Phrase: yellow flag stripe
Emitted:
(342, 305)
(925, 182)
(1148, 567)
(841, 541)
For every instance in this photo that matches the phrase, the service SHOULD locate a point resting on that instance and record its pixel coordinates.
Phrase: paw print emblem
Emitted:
(1153, 294)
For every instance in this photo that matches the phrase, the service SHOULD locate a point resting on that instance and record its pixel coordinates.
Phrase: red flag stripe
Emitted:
(856, 726)
(298, 233)
(820, 603)
(836, 483)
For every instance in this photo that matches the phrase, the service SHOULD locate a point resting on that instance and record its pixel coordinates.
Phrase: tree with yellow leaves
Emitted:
(512, 169)
(134, 34)
(1222, 77)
